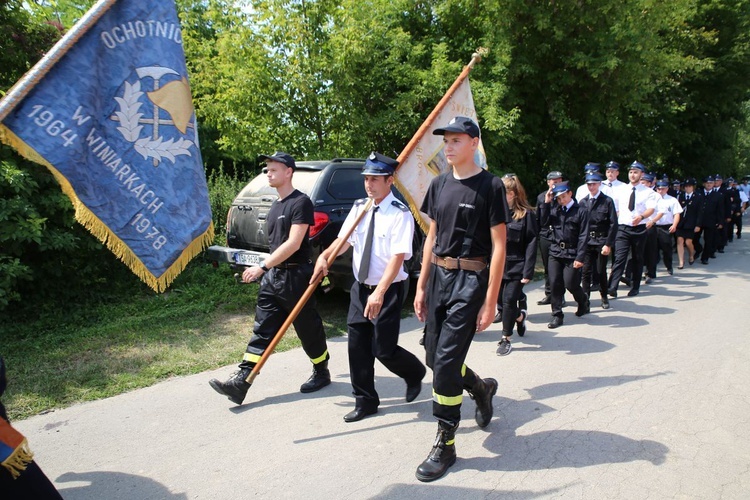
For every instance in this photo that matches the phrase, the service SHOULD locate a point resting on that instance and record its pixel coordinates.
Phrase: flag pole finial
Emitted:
(478, 55)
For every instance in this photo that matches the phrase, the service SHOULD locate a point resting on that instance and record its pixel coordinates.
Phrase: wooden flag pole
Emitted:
(303, 300)
(23, 86)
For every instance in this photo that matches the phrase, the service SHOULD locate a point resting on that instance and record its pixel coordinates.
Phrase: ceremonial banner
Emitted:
(423, 159)
(113, 120)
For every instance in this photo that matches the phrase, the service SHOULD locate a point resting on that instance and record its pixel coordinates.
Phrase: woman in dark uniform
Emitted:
(520, 259)
(689, 200)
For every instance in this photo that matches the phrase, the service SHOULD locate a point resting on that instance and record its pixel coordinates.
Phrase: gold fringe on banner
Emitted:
(99, 229)
(17, 462)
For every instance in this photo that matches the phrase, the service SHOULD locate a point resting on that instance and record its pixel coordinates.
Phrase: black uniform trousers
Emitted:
(280, 290)
(665, 243)
(594, 272)
(454, 298)
(631, 241)
(722, 235)
(563, 276)
(377, 339)
(544, 244)
(651, 252)
(512, 297)
(737, 222)
(710, 234)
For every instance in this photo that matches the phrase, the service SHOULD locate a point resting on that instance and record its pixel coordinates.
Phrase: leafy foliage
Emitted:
(564, 83)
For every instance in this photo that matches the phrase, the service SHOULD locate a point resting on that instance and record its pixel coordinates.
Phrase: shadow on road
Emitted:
(114, 486)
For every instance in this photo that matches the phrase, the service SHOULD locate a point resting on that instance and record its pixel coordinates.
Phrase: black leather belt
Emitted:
(596, 234)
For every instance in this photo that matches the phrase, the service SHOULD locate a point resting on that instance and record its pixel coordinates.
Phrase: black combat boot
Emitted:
(235, 388)
(442, 455)
(482, 393)
(320, 378)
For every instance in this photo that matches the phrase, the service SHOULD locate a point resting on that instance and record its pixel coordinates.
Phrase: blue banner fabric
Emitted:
(113, 120)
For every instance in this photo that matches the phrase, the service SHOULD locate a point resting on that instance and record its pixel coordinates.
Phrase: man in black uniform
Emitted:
(725, 207)
(735, 208)
(569, 225)
(381, 241)
(462, 268)
(284, 276)
(602, 233)
(710, 219)
(545, 235)
(675, 190)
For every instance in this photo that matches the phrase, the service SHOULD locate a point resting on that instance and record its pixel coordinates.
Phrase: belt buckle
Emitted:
(561, 245)
(592, 234)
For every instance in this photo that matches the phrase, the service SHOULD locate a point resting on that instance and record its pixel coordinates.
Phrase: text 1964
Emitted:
(56, 128)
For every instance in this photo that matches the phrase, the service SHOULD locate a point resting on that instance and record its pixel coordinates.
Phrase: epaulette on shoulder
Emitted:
(361, 201)
(400, 206)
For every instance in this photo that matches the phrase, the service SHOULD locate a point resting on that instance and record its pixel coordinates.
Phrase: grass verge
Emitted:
(81, 352)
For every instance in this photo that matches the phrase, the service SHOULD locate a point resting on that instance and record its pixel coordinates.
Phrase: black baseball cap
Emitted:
(281, 157)
(459, 125)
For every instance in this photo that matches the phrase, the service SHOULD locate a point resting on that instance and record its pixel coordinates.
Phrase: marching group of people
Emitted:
(479, 252)
(634, 225)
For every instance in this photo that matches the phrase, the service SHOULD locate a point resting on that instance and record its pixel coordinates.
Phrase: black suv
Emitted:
(333, 186)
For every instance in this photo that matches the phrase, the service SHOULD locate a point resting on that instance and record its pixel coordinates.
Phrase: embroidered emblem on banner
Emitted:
(173, 98)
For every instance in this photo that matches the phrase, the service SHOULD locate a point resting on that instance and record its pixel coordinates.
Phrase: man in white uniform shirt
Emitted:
(635, 203)
(381, 241)
(611, 182)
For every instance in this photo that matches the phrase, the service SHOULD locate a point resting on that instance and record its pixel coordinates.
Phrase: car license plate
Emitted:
(247, 259)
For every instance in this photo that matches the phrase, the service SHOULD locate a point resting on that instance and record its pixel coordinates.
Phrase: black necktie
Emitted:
(631, 203)
(364, 266)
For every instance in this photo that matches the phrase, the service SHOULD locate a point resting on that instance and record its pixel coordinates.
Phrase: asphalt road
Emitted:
(650, 399)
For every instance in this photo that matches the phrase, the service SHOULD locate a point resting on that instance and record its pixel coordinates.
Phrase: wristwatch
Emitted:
(263, 266)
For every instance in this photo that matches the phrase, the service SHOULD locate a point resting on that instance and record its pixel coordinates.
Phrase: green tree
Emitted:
(44, 253)
(702, 137)
(592, 79)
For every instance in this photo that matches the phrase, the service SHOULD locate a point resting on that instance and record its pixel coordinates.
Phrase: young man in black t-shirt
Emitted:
(284, 277)
(462, 268)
